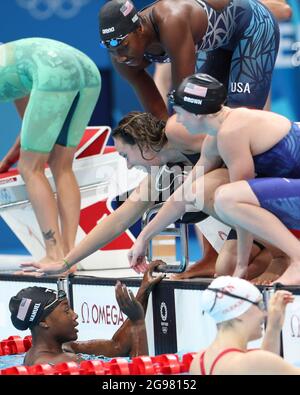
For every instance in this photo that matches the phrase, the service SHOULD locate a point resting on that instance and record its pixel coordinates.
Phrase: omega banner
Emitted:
(174, 320)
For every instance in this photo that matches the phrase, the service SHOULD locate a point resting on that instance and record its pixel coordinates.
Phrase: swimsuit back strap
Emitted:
(224, 352)
(202, 367)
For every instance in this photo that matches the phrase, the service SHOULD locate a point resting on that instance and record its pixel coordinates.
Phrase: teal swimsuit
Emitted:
(63, 85)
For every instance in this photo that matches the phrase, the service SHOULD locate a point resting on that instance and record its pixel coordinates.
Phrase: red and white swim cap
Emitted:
(229, 297)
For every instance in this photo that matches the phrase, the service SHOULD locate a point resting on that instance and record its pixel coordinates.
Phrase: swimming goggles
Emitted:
(260, 303)
(113, 42)
(61, 294)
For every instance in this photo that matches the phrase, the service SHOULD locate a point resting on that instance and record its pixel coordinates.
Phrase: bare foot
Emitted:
(227, 259)
(201, 268)
(275, 269)
(265, 279)
(291, 276)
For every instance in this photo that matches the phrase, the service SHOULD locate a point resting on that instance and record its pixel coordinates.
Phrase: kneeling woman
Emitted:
(143, 140)
(249, 142)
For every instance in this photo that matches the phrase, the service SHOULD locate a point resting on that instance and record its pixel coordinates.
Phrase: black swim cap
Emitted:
(31, 305)
(117, 18)
(200, 94)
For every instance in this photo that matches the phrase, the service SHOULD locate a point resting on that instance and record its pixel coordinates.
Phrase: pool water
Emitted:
(6, 361)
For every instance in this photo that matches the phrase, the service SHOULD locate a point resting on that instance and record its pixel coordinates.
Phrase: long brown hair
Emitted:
(142, 129)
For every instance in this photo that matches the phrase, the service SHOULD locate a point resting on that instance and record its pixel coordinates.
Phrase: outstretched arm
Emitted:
(106, 231)
(186, 198)
(172, 209)
(169, 213)
(145, 88)
(131, 338)
(138, 343)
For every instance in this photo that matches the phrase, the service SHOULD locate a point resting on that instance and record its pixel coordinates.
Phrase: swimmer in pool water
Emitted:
(53, 323)
(238, 310)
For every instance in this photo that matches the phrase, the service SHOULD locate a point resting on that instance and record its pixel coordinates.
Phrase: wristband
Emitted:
(67, 264)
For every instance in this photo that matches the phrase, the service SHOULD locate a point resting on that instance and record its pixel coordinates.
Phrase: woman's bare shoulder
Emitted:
(265, 362)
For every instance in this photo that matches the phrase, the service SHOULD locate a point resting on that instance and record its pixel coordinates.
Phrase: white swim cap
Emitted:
(217, 302)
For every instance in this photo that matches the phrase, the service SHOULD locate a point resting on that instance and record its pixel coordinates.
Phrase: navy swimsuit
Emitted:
(280, 195)
(239, 48)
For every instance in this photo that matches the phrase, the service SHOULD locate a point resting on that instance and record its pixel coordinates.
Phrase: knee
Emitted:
(28, 169)
(224, 199)
(61, 160)
(60, 167)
